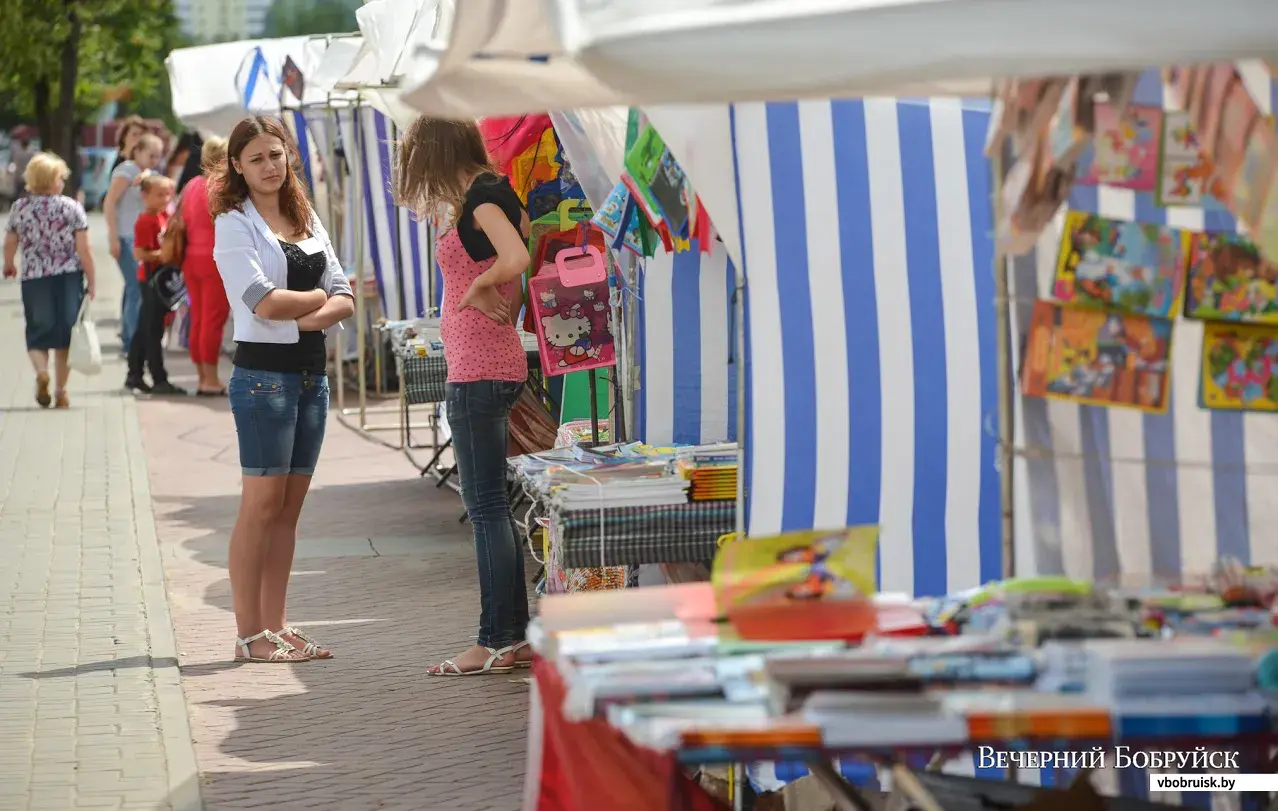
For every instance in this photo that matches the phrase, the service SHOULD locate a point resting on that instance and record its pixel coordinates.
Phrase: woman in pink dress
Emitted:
(209, 306)
(445, 171)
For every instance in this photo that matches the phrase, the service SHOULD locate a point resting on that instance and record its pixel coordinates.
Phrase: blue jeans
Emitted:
(279, 419)
(478, 414)
(131, 301)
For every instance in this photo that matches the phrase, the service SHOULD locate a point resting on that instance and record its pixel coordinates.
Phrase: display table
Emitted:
(588, 765)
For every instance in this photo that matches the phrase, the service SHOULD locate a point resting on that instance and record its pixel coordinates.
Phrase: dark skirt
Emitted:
(51, 305)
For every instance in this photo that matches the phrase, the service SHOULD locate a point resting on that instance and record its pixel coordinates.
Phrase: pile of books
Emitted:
(712, 470)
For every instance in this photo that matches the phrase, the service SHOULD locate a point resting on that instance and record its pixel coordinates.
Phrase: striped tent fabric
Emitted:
(684, 349)
(400, 248)
(1115, 494)
(866, 230)
(342, 126)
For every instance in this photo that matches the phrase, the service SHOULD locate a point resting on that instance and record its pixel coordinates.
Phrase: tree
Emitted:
(60, 60)
(295, 18)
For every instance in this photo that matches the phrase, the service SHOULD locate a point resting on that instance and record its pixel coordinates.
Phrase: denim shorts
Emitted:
(51, 305)
(280, 418)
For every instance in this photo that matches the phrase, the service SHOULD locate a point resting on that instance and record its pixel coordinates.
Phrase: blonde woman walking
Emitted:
(52, 232)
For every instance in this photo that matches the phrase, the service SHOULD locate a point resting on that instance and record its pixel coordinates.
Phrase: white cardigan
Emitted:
(252, 264)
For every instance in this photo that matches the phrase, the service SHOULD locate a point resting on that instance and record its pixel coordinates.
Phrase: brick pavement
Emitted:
(91, 710)
(386, 576)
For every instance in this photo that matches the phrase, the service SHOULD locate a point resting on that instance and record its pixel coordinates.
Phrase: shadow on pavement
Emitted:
(385, 576)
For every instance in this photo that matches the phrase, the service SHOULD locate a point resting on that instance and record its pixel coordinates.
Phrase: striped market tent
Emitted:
(398, 249)
(866, 232)
(685, 349)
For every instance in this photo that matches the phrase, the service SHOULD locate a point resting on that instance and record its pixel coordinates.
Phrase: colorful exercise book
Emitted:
(1097, 357)
(1229, 280)
(1239, 365)
(1124, 151)
(1134, 267)
(1185, 170)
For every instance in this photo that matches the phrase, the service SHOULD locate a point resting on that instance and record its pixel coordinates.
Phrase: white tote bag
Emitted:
(85, 355)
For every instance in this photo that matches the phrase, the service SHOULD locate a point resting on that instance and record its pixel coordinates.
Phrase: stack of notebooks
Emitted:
(712, 470)
(1188, 686)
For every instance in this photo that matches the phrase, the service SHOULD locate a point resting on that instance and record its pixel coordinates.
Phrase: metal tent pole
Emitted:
(1006, 383)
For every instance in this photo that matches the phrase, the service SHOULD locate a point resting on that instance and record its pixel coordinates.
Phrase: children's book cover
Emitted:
(1185, 173)
(1125, 150)
(573, 324)
(1097, 357)
(1229, 280)
(810, 584)
(1239, 365)
(1135, 267)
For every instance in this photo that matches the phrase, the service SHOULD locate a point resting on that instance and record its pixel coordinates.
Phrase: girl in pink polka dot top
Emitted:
(444, 171)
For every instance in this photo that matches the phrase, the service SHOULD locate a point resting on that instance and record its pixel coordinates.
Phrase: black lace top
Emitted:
(308, 354)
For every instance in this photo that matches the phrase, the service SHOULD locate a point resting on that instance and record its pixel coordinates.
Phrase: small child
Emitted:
(148, 344)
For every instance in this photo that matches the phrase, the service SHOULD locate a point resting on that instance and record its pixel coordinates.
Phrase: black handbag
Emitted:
(169, 286)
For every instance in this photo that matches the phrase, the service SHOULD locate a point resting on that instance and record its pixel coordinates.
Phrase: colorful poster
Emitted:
(1238, 367)
(1229, 280)
(1129, 266)
(1097, 357)
(1125, 149)
(1184, 170)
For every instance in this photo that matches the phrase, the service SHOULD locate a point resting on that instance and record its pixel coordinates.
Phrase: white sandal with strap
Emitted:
(278, 656)
(311, 649)
(450, 668)
(516, 648)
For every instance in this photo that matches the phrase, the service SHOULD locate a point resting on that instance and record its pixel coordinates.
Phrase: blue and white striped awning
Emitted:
(685, 349)
(398, 248)
(866, 232)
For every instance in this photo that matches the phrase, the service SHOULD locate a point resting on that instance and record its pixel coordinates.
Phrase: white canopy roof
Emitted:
(607, 52)
(214, 86)
(497, 57)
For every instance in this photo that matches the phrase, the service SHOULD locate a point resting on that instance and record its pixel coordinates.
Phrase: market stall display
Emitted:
(675, 683)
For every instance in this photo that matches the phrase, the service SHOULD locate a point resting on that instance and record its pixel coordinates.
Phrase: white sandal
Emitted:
(450, 668)
(311, 648)
(278, 656)
(516, 648)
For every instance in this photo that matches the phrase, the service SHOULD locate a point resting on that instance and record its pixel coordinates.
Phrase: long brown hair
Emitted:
(228, 189)
(434, 159)
(124, 125)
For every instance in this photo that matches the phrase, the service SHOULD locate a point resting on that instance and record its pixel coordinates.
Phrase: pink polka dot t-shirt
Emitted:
(477, 347)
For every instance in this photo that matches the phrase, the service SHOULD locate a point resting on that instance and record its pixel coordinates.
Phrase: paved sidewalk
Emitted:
(385, 574)
(91, 710)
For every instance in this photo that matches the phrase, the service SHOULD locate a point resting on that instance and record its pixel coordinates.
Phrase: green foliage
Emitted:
(292, 18)
(103, 44)
(60, 60)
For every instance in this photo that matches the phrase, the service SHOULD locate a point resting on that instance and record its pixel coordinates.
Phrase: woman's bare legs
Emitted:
(61, 370)
(261, 503)
(278, 561)
(39, 360)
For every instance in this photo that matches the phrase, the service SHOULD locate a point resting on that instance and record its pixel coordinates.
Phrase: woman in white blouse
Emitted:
(286, 288)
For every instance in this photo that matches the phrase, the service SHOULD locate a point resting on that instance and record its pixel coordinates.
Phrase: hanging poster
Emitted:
(1097, 357)
(1125, 150)
(1229, 280)
(1133, 267)
(1184, 170)
(1239, 363)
